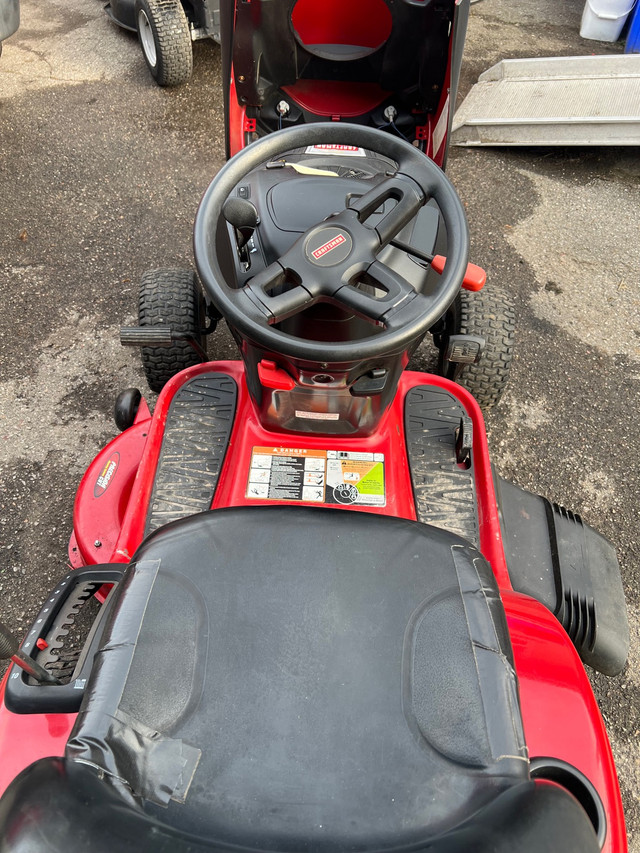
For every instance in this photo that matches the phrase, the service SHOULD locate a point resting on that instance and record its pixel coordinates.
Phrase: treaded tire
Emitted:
(170, 297)
(164, 36)
(490, 313)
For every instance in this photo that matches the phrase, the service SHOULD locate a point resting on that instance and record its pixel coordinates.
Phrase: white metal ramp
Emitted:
(572, 100)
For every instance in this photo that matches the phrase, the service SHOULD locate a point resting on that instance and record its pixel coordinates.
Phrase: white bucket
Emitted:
(603, 20)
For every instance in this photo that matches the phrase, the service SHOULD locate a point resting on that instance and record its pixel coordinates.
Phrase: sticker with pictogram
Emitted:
(340, 477)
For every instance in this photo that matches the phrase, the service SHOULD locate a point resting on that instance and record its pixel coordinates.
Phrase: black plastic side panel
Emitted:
(553, 556)
(227, 21)
(122, 12)
(444, 493)
(264, 49)
(460, 21)
(196, 436)
(23, 697)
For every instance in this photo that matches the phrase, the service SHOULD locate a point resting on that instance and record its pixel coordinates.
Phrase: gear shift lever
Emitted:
(243, 216)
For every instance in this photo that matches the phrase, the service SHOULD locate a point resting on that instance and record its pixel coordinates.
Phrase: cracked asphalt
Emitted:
(100, 176)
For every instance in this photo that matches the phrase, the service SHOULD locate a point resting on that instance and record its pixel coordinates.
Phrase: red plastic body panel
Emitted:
(24, 738)
(103, 497)
(91, 514)
(351, 22)
(560, 714)
(330, 98)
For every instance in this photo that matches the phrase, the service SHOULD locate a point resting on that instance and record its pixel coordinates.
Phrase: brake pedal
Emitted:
(464, 349)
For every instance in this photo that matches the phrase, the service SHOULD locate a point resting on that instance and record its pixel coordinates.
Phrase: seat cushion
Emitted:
(282, 677)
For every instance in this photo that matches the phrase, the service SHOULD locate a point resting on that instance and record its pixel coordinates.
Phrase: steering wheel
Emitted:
(329, 259)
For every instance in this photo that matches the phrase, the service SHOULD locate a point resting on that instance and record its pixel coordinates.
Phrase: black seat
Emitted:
(285, 678)
(59, 806)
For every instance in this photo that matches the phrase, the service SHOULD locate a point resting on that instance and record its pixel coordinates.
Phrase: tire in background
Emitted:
(165, 39)
(490, 313)
(171, 297)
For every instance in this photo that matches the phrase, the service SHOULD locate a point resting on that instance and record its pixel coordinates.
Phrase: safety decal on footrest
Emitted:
(316, 476)
(196, 437)
(444, 490)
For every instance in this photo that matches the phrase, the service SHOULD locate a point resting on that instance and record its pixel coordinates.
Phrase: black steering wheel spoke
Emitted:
(277, 294)
(408, 197)
(390, 291)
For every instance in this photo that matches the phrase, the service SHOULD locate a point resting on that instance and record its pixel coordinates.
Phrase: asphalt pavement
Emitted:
(100, 175)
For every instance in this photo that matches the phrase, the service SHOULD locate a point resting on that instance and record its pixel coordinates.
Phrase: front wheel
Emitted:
(171, 297)
(490, 314)
(164, 36)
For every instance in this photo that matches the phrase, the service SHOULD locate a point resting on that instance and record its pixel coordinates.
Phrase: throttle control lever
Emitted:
(9, 650)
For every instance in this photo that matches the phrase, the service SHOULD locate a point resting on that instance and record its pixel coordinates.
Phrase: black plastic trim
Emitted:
(20, 696)
(460, 22)
(227, 16)
(555, 557)
(572, 780)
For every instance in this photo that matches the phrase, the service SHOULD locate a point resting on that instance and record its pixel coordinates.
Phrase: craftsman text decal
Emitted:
(106, 475)
(329, 246)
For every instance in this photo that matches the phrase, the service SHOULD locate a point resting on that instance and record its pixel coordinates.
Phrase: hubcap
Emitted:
(146, 38)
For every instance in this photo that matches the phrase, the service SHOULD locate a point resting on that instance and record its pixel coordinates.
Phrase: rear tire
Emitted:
(491, 314)
(171, 297)
(165, 39)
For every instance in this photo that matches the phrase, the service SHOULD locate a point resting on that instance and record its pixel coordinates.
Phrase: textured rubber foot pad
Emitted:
(444, 492)
(196, 436)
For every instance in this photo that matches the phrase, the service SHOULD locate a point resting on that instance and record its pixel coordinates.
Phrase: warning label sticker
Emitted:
(316, 476)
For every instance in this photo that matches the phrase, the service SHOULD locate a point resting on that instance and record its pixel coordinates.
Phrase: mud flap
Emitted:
(554, 557)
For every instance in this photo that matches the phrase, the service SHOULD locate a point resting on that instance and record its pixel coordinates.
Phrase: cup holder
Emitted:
(572, 780)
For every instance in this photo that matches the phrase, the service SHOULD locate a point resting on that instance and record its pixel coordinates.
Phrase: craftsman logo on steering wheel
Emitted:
(328, 247)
